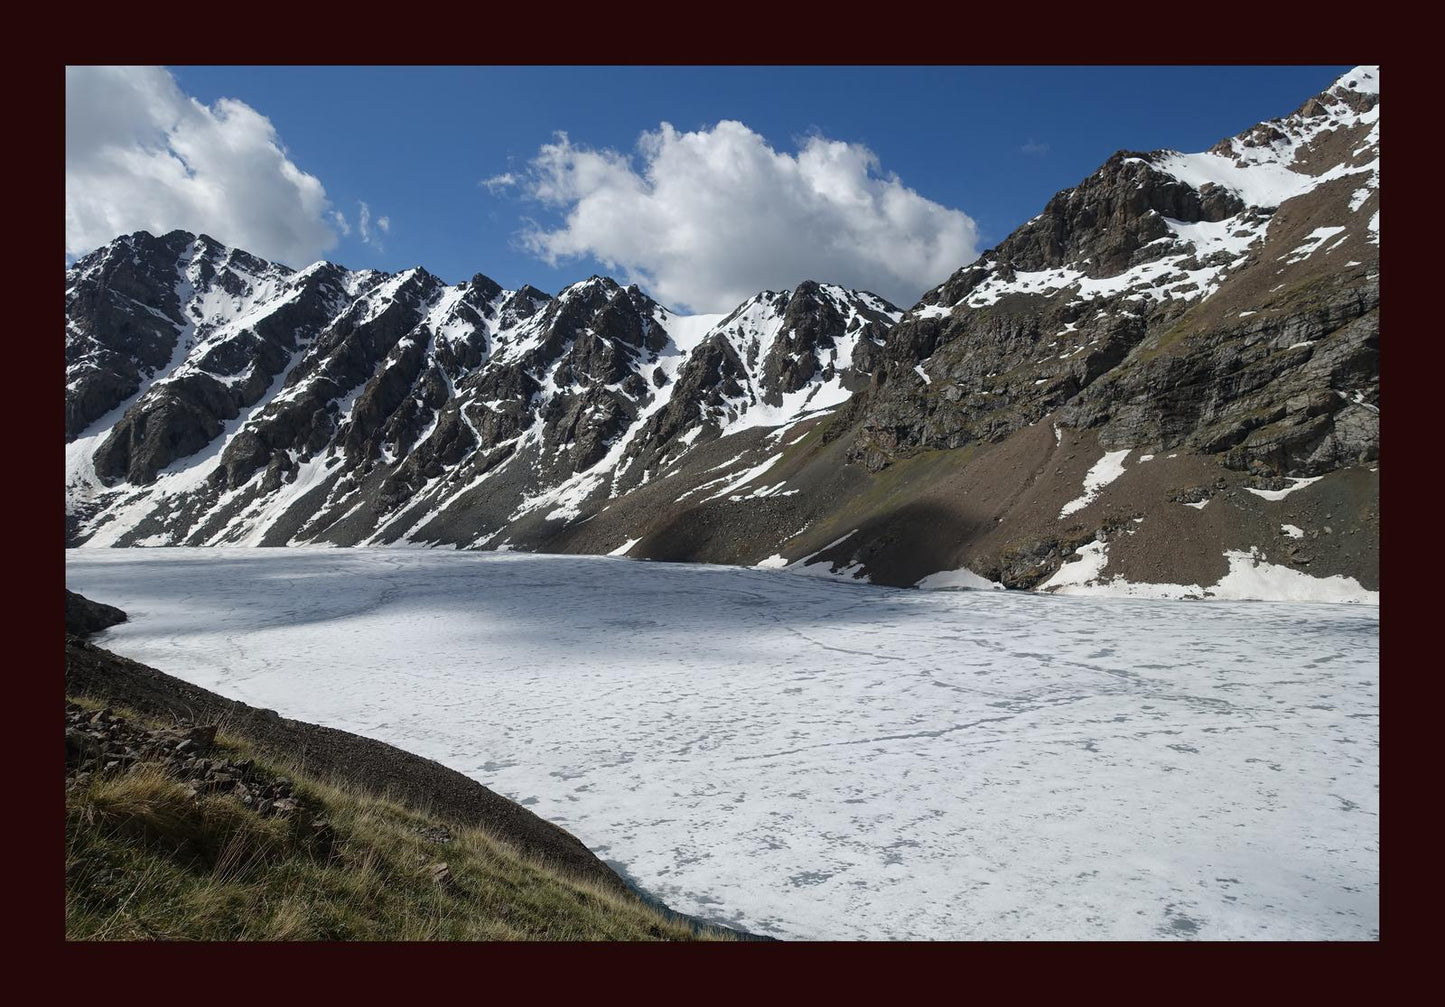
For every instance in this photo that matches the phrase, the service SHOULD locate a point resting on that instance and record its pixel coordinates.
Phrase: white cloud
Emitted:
(714, 216)
(363, 224)
(340, 219)
(140, 154)
(1034, 147)
(497, 183)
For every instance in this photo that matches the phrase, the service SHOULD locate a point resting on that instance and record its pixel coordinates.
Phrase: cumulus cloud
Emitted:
(1034, 147)
(140, 154)
(709, 218)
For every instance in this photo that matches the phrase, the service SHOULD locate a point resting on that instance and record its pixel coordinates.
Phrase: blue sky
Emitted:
(971, 152)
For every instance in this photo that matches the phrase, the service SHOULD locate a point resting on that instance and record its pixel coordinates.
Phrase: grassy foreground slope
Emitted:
(189, 816)
(148, 857)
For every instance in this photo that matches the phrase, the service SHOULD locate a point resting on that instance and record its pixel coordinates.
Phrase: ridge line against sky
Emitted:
(703, 185)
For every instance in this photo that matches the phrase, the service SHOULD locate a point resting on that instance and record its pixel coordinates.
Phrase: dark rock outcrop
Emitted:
(84, 617)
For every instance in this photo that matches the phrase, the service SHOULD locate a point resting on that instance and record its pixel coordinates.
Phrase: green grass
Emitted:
(146, 860)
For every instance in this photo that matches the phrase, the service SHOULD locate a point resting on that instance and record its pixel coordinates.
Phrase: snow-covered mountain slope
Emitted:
(213, 397)
(1166, 383)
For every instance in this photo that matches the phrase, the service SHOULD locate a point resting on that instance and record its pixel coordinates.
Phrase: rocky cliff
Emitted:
(215, 398)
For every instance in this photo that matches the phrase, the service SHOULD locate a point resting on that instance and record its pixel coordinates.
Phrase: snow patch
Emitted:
(961, 579)
(1250, 578)
(746, 477)
(625, 547)
(1298, 484)
(1103, 472)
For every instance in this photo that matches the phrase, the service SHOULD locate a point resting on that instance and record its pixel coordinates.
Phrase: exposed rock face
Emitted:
(813, 323)
(122, 312)
(256, 404)
(1224, 302)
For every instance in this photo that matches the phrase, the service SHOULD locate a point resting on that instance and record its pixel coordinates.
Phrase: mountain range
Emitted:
(1165, 384)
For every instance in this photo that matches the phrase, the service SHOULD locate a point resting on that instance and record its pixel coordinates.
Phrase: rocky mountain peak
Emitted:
(254, 382)
(1155, 252)
(483, 288)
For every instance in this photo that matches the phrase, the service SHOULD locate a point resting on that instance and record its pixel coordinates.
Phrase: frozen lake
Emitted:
(814, 759)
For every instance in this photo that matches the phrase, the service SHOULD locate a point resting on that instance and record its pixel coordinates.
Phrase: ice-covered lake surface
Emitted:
(813, 759)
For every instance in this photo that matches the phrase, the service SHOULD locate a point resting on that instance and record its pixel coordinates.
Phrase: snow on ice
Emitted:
(815, 759)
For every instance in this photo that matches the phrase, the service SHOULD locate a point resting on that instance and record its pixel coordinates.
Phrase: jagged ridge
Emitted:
(214, 397)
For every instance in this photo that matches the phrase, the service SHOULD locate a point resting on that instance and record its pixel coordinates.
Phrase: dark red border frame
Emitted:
(726, 35)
